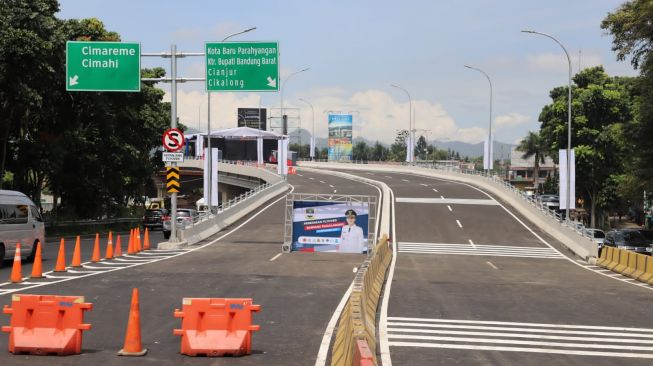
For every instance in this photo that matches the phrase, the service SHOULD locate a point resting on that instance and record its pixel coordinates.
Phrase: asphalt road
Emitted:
(473, 286)
(298, 292)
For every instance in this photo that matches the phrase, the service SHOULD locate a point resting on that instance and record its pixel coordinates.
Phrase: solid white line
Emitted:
(472, 243)
(275, 257)
(140, 263)
(84, 272)
(519, 335)
(521, 349)
(514, 329)
(459, 224)
(492, 265)
(384, 344)
(328, 334)
(521, 343)
(449, 207)
(442, 200)
(91, 267)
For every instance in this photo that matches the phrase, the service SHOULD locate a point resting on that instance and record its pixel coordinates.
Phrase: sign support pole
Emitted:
(173, 124)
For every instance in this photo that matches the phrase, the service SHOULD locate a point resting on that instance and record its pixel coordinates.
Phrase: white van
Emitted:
(20, 222)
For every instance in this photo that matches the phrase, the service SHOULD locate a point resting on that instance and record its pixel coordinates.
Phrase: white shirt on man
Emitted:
(353, 240)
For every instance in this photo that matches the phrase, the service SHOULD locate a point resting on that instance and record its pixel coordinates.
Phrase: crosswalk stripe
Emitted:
(572, 339)
(478, 249)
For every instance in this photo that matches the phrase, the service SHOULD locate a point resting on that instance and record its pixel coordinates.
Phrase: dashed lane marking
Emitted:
(449, 207)
(491, 265)
(424, 184)
(275, 257)
(405, 180)
(459, 224)
(472, 243)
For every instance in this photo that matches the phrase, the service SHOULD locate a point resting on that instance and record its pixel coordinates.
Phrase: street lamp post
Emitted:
(489, 129)
(312, 145)
(284, 127)
(411, 131)
(208, 117)
(568, 198)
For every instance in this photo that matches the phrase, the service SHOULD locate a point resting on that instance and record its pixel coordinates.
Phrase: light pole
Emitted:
(312, 145)
(489, 129)
(208, 117)
(411, 132)
(284, 127)
(568, 198)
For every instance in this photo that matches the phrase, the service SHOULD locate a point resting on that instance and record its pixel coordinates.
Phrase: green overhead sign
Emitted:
(242, 66)
(103, 66)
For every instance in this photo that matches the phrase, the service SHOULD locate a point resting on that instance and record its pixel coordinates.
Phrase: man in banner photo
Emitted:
(324, 226)
(352, 239)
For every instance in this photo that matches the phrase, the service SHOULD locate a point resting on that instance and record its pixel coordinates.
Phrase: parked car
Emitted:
(598, 236)
(552, 201)
(648, 235)
(629, 239)
(185, 219)
(20, 222)
(153, 218)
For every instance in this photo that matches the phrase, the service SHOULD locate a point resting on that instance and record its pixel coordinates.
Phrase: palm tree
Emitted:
(533, 145)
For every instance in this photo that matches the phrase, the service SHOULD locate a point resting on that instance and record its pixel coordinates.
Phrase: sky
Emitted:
(356, 49)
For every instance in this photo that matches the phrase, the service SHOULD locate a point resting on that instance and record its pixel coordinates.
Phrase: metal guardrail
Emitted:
(121, 220)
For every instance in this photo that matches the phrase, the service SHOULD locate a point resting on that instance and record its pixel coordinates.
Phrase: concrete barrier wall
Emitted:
(581, 246)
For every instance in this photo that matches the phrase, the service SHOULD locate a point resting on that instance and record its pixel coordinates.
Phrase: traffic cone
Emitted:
(118, 251)
(16, 270)
(37, 266)
(146, 240)
(133, 346)
(109, 253)
(130, 246)
(61, 258)
(137, 245)
(96, 249)
(77, 254)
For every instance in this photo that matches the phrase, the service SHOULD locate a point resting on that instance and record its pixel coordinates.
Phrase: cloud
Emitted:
(377, 116)
(555, 62)
(510, 120)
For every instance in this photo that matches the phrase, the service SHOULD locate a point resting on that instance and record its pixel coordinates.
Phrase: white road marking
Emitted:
(424, 184)
(479, 249)
(387, 176)
(472, 243)
(405, 180)
(311, 178)
(585, 340)
(323, 182)
(328, 334)
(384, 343)
(297, 174)
(442, 200)
(459, 224)
(275, 257)
(435, 190)
(331, 185)
(449, 207)
(492, 265)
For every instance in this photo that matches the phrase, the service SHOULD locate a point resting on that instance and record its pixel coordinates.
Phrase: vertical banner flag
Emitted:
(279, 156)
(214, 176)
(206, 176)
(330, 226)
(409, 150)
(312, 152)
(285, 156)
(340, 137)
(488, 152)
(562, 156)
(199, 148)
(259, 150)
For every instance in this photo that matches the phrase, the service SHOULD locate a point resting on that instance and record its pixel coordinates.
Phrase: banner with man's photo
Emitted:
(320, 226)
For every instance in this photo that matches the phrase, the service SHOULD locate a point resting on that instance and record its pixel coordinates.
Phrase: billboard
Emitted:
(250, 117)
(322, 226)
(340, 137)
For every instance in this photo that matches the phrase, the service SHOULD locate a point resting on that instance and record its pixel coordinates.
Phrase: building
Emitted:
(521, 170)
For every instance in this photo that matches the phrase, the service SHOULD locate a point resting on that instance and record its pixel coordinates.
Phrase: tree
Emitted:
(632, 31)
(359, 151)
(378, 152)
(602, 107)
(421, 148)
(398, 148)
(533, 146)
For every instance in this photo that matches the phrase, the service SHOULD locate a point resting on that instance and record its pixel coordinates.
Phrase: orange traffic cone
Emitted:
(16, 270)
(130, 246)
(109, 253)
(96, 249)
(61, 258)
(133, 346)
(77, 254)
(146, 240)
(37, 267)
(118, 251)
(137, 245)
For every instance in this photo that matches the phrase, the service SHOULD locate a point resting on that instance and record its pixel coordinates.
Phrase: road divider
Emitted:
(357, 323)
(46, 324)
(216, 327)
(634, 265)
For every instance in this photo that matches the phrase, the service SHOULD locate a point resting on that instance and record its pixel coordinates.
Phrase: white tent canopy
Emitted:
(245, 133)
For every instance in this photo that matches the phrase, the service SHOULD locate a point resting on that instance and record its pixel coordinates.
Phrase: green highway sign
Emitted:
(242, 66)
(103, 66)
